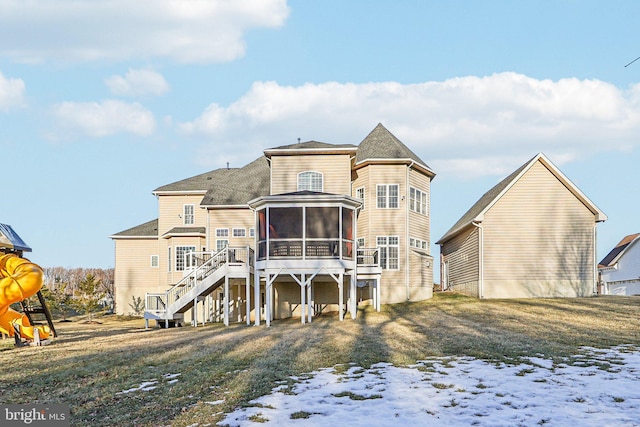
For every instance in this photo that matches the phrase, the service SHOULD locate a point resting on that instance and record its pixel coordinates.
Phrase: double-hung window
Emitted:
(182, 262)
(418, 201)
(222, 238)
(389, 252)
(310, 181)
(360, 195)
(387, 196)
(188, 215)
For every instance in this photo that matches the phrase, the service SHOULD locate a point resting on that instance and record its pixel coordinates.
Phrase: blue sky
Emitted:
(102, 102)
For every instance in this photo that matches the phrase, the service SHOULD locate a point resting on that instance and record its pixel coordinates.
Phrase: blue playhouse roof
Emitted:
(10, 239)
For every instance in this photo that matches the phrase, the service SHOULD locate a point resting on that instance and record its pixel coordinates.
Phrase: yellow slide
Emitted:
(19, 279)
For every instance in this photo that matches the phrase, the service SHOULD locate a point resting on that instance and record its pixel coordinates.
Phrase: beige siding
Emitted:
(419, 226)
(230, 219)
(174, 276)
(461, 255)
(538, 241)
(336, 170)
(134, 276)
(361, 180)
(325, 297)
(420, 276)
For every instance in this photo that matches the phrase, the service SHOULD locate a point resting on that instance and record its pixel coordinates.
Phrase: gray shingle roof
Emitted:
(244, 184)
(202, 182)
(312, 145)
(148, 229)
(382, 144)
(185, 230)
(484, 201)
(607, 261)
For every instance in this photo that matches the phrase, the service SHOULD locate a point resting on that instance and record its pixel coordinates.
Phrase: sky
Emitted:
(101, 102)
(591, 388)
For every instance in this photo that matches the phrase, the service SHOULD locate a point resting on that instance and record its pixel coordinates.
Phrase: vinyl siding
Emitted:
(336, 170)
(361, 179)
(231, 218)
(538, 241)
(134, 276)
(420, 276)
(174, 276)
(419, 224)
(462, 256)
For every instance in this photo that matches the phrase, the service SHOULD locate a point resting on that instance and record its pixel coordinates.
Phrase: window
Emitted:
(252, 232)
(222, 232)
(221, 244)
(418, 201)
(239, 232)
(187, 217)
(181, 251)
(169, 259)
(389, 252)
(360, 242)
(418, 243)
(310, 181)
(387, 195)
(360, 195)
(154, 261)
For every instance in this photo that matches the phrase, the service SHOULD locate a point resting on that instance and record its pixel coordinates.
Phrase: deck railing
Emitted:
(368, 257)
(202, 265)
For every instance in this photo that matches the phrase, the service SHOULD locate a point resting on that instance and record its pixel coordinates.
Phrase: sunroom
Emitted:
(304, 237)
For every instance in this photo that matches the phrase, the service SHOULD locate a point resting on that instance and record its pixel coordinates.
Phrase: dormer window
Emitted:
(310, 181)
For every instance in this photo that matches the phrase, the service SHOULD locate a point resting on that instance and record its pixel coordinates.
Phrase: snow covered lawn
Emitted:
(594, 388)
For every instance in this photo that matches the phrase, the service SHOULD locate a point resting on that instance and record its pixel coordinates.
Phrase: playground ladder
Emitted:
(28, 310)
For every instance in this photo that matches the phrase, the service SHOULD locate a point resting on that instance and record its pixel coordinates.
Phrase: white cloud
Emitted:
(100, 119)
(197, 31)
(467, 125)
(11, 93)
(138, 83)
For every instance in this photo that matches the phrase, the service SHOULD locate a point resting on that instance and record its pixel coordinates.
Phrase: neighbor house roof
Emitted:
(381, 144)
(477, 211)
(618, 251)
(146, 230)
(199, 183)
(9, 239)
(240, 186)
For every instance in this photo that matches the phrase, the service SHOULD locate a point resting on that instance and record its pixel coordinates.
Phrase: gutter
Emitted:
(480, 259)
(406, 234)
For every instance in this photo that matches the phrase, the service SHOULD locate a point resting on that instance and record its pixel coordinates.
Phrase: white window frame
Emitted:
(181, 251)
(221, 244)
(360, 242)
(418, 201)
(239, 232)
(385, 200)
(169, 259)
(309, 180)
(188, 214)
(384, 243)
(222, 232)
(418, 243)
(154, 261)
(360, 194)
(252, 232)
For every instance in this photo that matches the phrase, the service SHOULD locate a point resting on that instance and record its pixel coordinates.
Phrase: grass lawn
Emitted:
(91, 366)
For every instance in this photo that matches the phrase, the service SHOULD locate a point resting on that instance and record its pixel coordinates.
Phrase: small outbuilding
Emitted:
(532, 235)
(620, 269)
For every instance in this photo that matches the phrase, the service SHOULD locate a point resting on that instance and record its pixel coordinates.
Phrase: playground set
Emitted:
(21, 279)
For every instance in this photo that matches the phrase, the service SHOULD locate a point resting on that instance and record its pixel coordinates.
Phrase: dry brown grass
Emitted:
(89, 365)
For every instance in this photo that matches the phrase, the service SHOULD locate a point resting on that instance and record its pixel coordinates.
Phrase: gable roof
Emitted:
(477, 211)
(618, 251)
(9, 239)
(198, 183)
(381, 144)
(146, 230)
(240, 186)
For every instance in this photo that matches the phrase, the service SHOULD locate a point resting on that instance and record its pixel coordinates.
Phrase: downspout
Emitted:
(406, 235)
(480, 259)
(595, 263)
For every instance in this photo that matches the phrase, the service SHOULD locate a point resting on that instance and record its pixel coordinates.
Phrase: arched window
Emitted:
(310, 181)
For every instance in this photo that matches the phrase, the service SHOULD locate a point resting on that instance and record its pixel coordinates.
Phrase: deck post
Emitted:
(352, 286)
(247, 284)
(267, 296)
(309, 299)
(256, 296)
(341, 296)
(378, 292)
(303, 285)
(194, 313)
(225, 309)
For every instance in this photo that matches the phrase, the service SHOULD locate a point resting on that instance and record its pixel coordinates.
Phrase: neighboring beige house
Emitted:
(620, 269)
(304, 229)
(532, 235)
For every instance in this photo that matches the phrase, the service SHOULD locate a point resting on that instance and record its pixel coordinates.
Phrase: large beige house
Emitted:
(304, 229)
(532, 235)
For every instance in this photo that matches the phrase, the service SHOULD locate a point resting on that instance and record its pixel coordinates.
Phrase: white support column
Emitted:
(341, 296)
(237, 304)
(247, 284)
(354, 303)
(309, 299)
(256, 297)
(225, 302)
(378, 291)
(267, 303)
(194, 313)
(303, 284)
